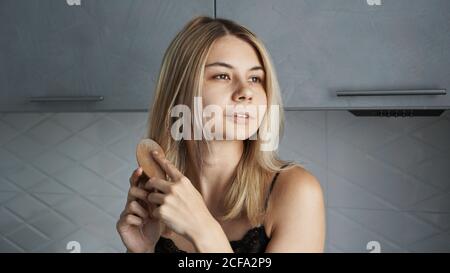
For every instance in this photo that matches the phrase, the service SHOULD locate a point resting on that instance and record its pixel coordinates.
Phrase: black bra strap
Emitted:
(273, 183)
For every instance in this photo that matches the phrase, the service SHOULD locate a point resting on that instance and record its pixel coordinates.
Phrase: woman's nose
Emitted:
(243, 94)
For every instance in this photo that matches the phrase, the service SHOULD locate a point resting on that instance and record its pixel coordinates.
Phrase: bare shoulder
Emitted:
(298, 173)
(297, 212)
(294, 183)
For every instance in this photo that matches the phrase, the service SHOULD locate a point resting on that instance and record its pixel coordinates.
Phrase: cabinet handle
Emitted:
(67, 99)
(391, 92)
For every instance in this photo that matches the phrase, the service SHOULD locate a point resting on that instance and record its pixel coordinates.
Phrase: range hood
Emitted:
(394, 112)
(397, 112)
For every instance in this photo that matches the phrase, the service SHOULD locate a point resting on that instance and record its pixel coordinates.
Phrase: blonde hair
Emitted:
(180, 80)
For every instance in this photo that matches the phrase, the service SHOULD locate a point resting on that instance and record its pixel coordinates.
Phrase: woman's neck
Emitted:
(218, 169)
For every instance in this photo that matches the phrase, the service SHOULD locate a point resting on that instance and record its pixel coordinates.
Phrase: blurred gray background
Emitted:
(64, 165)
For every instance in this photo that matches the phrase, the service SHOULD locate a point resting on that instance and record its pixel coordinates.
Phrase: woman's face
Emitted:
(234, 83)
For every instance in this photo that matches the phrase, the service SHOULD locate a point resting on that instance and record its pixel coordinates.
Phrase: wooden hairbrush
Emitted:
(145, 159)
(150, 167)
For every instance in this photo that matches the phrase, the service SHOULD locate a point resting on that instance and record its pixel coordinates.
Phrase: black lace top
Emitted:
(254, 241)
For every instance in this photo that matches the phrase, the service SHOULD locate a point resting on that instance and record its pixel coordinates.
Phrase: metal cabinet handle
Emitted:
(391, 92)
(67, 99)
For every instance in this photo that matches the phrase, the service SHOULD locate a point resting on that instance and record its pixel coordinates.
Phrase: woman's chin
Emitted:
(238, 135)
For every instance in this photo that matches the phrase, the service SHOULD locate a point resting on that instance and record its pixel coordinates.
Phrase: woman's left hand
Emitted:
(181, 206)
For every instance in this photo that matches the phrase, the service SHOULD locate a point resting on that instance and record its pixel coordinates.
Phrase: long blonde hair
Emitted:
(180, 80)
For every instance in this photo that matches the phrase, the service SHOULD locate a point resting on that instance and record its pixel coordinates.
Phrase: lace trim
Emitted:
(254, 241)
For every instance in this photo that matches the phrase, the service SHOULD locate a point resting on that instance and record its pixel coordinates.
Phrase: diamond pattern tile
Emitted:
(8, 221)
(48, 133)
(77, 149)
(392, 187)
(120, 178)
(439, 220)
(76, 122)
(6, 246)
(404, 152)
(6, 196)
(434, 170)
(347, 235)
(111, 205)
(437, 203)
(88, 242)
(50, 186)
(126, 147)
(52, 199)
(361, 197)
(24, 121)
(27, 177)
(24, 146)
(53, 225)
(52, 161)
(85, 181)
(82, 211)
(6, 186)
(26, 206)
(436, 134)
(436, 243)
(8, 132)
(27, 238)
(103, 131)
(103, 163)
(10, 163)
(130, 120)
(365, 135)
(310, 142)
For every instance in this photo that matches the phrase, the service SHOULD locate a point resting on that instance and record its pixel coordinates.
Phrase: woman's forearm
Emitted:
(211, 239)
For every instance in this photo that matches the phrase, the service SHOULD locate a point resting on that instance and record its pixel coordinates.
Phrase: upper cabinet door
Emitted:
(321, 47)
(100, 55)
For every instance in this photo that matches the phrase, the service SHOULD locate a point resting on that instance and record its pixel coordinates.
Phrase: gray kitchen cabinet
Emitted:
(322, 47)
(100, 55)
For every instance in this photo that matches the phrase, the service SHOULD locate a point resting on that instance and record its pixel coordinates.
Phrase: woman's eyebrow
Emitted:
(230, 66)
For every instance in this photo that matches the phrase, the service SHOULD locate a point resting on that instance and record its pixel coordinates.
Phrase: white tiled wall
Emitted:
(64, 177)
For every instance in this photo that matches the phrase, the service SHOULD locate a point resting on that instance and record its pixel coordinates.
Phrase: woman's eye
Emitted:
(220, 75)
(258, 79)
(225, 77)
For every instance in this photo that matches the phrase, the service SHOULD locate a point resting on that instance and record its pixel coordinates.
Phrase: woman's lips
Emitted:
(241, 115)
(240, 118)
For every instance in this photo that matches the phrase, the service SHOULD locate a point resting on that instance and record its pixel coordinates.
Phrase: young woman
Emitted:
(220, 195)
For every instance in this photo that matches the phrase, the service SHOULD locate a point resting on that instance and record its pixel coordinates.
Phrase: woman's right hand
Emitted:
(137, 228)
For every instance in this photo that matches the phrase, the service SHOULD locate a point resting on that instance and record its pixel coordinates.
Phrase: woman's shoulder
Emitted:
(295, 188)
(296, 178)
(297, 214)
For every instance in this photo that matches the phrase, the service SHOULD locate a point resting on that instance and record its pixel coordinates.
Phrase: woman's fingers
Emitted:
(133, 215)
(135, 208)
(156, 198)
(134, 178)
(138, 177)
(168, 167)
(158, 184)
(132, 220)
(137, 193)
